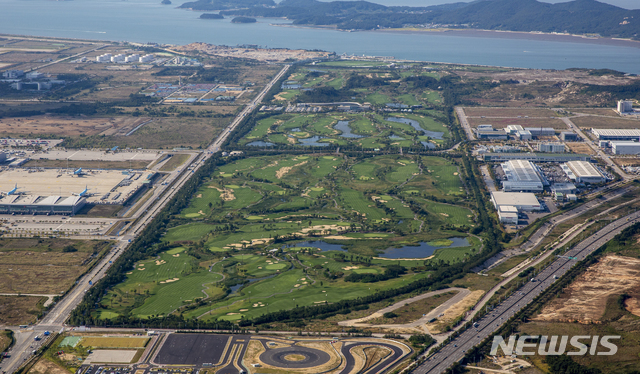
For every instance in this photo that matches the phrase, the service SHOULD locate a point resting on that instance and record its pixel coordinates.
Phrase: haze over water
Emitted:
(149, 21)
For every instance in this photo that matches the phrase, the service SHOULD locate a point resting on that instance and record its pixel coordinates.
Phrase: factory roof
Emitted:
(616, 132)
(626, 143)
(520, 171)
(514, 198)
(583, 169)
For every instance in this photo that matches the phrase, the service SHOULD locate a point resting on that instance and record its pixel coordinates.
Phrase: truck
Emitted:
(37, 338)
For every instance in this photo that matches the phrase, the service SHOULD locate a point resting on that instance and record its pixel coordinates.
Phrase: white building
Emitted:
(616, 134)
(522, 176)
(118, 58)
(508, 214)
(625, 106)
(524, 135)
(104, 57)
(513, 129)
(583, 172)
(34, 75)
(526, 202)
(147, 58)
(551, 147)
(485, 128)
(132, 58)
(625, 148)
(12, 74)
(541, 131)
(564, 188)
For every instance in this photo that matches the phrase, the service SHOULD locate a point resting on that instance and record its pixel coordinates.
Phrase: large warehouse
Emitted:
(521, 201)
(522, 175)
(609, 134)
(583, 172)
(34, 204)
(625, 148)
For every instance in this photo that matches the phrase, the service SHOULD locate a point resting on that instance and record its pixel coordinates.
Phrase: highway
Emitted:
(55, 319)
(491, 322)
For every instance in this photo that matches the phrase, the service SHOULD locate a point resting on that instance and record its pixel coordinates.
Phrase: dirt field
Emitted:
(18, 310)
(114, 342)
(579, 147)
(509, 112)
(626, 161)
(454, 312)
(27, 266)
(608, 112)
(414, 311)
(5, 340)
(499, 123)
(162, 133)
(585, 300)
(597, 122)
(44, 366)
(69, 126)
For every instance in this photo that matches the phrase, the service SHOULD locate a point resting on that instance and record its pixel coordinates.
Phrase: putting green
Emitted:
(278, 266)
(254, 218)
(232, 186)
(192, 215)
(176, 250)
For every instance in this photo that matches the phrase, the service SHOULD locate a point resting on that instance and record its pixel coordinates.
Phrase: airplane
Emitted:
(78, 172)
(84, 193)
(14, 191)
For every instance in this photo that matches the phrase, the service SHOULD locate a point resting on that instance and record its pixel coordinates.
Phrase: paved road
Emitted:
(487, 325)
(55, 319)
(465, 124)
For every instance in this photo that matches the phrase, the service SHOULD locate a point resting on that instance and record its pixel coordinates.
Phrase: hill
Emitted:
(576, 17)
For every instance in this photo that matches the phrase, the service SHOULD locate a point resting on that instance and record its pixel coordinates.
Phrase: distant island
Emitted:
(211, 16)
(585, 17)
(244, 20)
(166, 2)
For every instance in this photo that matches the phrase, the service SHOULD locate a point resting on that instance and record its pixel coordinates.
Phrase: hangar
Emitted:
(34, 204)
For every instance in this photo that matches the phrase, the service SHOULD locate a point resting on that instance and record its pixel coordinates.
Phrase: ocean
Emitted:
(149, 21)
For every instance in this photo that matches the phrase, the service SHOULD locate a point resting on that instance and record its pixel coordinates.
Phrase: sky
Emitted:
(628, 4)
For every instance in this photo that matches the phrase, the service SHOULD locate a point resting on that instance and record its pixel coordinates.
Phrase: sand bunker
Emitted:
(284, 170)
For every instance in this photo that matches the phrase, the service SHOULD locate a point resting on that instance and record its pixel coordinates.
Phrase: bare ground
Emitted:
(585, 300)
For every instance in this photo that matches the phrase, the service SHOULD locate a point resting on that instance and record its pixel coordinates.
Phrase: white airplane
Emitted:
(84, 193)
(13, 191)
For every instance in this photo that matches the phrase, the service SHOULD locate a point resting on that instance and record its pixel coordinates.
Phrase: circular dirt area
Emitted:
(295, 357)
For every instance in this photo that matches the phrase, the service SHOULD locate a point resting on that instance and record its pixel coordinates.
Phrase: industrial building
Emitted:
(526, 202)
(491, 134)
(12, 74)
(582, 172)
(563, 188)
(536, 157)
(513, 129)
(522, 176)
(625, 106)
(524, 135)
(567, 136)
(625, 148)
(541, 131)
(35, 204)
(551, 147)
(609, 134)
(508, 214)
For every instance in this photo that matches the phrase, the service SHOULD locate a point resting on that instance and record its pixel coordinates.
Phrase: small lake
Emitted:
(238, 286)
(346, 130)
(422, 250)
(395, 137)
(429, 145)
(416, 125)
(313, 141)
(260, 143)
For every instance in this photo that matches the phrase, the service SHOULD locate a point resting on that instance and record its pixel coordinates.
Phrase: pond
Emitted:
(422, 250)
(346, 130)
(238, 286)
(313, 141)
(260, 143)
(429, 145)
(416, 125)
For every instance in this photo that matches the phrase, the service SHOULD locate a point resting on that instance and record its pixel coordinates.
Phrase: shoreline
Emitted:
(498, 34)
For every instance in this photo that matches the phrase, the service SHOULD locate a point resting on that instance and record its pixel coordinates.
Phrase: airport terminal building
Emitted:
(33, 204)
